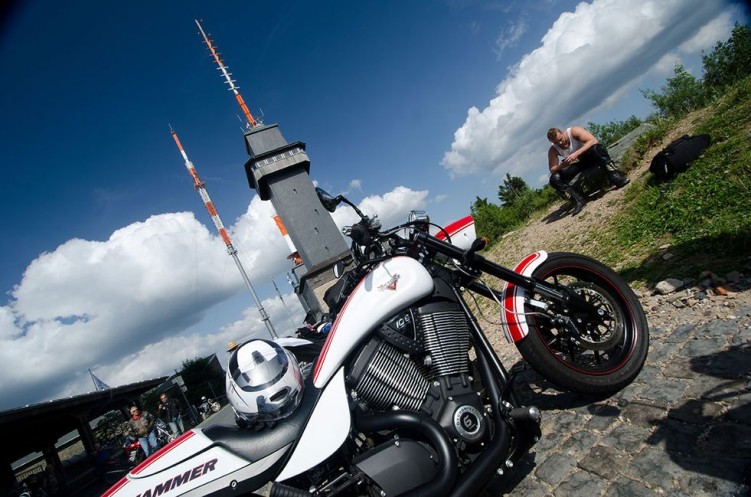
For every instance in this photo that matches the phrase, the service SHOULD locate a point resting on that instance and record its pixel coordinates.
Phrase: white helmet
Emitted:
(264, 382)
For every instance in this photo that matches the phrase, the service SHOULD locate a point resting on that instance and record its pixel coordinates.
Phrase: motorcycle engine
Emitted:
(418, 361)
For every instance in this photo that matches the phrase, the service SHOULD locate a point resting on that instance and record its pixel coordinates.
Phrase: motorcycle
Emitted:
(163, 434)
(207, 408)
(407, 396)
(133, 451)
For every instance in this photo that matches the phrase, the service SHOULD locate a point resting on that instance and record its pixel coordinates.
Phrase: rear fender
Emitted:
(191, 465)
(514, 321)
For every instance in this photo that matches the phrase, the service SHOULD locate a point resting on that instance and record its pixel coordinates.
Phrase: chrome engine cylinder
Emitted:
(385, 377)
(445, 334)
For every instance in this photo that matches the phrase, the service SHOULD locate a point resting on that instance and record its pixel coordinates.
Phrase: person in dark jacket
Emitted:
(141, 426)
(573, 150)
(169, 410)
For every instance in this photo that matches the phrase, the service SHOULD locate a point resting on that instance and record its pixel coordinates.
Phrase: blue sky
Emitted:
(109, 259)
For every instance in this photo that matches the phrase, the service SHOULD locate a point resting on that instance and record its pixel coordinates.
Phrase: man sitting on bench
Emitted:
(579, 150)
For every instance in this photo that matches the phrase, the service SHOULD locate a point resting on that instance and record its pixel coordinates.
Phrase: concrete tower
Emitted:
(278, 171)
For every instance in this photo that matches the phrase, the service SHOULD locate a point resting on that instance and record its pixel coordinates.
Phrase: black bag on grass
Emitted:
(676, 157)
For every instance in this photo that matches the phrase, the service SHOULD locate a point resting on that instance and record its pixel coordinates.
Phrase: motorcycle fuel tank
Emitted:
(392, 285)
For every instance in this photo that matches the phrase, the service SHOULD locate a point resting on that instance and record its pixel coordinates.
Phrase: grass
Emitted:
(703, 216)
(704, 213)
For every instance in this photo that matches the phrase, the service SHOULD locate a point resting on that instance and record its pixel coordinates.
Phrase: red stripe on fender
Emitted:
(514, 321)
(117, 486)
(162, 452)
(455, 227)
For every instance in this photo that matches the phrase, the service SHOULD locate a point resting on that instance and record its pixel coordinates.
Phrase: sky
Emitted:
(109, 259)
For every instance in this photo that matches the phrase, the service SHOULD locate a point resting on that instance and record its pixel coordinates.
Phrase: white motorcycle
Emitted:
(407, 396)
(207, 408)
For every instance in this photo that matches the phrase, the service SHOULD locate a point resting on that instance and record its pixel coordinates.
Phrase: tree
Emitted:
(682, 94)
(202, 378)
(730, 61)
(491, 221)
(511, 189)
(109, 426)
(613, 131)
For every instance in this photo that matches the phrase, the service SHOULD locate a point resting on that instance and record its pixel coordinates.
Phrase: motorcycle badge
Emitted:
(390, 284)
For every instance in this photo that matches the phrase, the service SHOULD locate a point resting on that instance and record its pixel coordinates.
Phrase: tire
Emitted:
(592, 353)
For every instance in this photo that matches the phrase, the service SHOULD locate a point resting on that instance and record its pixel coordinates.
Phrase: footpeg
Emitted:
(531, 413)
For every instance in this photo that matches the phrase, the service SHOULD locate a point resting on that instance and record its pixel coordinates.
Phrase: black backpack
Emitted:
(676, 157)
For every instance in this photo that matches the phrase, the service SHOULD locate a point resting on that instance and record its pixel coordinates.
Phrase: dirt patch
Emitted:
(555, 230)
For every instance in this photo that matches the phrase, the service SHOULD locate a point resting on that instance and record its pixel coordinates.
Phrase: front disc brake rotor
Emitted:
(603, 331)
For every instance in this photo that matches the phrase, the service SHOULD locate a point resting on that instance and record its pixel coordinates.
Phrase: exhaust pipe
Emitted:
(440, 441)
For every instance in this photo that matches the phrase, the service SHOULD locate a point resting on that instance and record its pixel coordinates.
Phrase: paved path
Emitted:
(682, 428)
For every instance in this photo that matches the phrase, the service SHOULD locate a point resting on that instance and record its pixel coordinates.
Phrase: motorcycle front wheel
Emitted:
(597, 352)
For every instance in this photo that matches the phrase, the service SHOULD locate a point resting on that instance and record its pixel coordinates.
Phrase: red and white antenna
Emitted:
(199, 185)
(294, 255)
(252, 123)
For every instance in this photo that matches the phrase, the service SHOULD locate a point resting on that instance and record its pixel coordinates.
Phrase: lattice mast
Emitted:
(226, 75)
(200, 186)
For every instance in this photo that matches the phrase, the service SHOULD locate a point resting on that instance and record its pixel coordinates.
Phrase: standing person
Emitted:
(232, 346)
(101, 459)
(204, 408)
(579, 150)
(51, 481)
(169, 410)
(141, 426)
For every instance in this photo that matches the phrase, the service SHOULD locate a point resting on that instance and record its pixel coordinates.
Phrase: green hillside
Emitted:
(702, 219)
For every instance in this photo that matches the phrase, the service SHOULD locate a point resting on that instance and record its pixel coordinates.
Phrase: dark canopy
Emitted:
(38, 427)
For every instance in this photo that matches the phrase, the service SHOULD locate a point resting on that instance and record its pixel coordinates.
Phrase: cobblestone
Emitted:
(682, 428)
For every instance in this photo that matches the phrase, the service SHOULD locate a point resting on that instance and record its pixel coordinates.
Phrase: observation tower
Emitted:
(279, 172)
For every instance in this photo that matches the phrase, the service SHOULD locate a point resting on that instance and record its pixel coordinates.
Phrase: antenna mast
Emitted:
(199, 185)
(226, 74)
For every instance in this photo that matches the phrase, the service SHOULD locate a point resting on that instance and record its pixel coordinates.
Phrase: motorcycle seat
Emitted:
(253, 445)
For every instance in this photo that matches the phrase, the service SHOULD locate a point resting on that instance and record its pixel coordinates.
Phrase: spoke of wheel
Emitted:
(598, 358)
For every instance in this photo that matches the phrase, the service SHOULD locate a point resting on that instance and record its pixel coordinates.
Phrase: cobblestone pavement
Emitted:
(682, 428)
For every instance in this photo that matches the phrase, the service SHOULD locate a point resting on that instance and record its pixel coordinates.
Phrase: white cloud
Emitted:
(122, 306)
(392, 208)
(355, 184)
(509, 36)
(88, 302)
(718, 29)
(588, 55)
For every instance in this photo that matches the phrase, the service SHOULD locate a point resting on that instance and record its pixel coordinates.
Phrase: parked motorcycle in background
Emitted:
(208, 407)
(133, 451)
(407, 396)
(163, 434)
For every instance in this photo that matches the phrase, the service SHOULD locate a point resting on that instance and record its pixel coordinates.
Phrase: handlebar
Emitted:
(365, 237)
(472, 259)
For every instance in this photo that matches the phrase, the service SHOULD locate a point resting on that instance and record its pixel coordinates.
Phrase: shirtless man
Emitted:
(572, 151)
